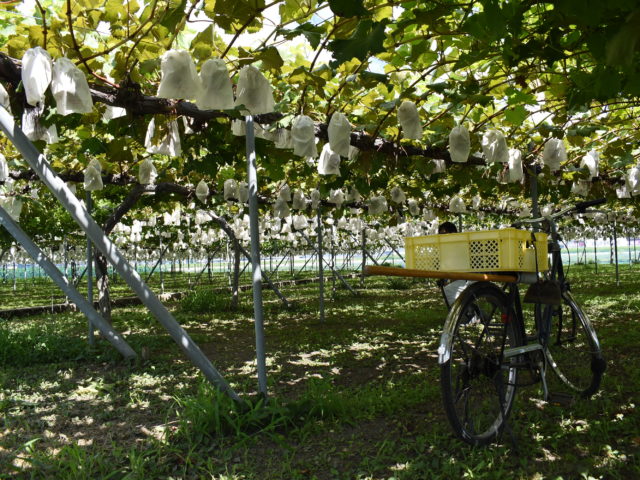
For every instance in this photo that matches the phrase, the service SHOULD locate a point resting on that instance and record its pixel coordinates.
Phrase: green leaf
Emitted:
(366, 40)
(348, 8)
(270, 58)
(516, 115)
(311, 32)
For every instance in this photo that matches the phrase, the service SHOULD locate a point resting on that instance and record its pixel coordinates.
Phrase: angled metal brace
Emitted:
(40, 165)
(83, 304)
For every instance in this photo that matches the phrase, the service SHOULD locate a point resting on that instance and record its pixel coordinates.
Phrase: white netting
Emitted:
(217, 91)
(494, 147)
(179, 76)
(339, 131)
(70, 88)
(36, 74)
(459, 144)
(254, 91)
(410, 120)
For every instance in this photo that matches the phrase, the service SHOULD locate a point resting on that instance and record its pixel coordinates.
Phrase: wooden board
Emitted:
(407, 272)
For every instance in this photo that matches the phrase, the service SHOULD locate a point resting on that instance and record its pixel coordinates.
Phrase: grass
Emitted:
(355, 396)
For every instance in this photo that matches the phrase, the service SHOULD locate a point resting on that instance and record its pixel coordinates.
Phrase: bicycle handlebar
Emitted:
(579, 207)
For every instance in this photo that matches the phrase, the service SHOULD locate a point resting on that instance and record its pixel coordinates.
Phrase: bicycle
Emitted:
(484, 347)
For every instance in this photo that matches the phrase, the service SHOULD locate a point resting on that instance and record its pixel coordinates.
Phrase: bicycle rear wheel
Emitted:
(573, 350)
(478, 384)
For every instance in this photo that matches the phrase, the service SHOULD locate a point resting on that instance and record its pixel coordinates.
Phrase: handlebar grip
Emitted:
(582, 206)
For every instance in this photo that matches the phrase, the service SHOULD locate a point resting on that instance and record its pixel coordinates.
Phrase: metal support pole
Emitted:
(54, 183)
(90, 338)
(320, 265)
(615, 247)
(39, 256)
(254, 227)
(322, 262)
(533, 189)
(364, 254)
(595, 252)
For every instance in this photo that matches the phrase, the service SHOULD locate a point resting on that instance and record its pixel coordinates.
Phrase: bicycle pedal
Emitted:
(561, 399)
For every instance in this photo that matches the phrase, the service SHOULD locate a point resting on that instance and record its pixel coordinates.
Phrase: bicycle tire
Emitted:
(478, 385)
(573, 349)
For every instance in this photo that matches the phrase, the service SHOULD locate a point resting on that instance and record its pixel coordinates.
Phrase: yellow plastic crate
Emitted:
(508, 249)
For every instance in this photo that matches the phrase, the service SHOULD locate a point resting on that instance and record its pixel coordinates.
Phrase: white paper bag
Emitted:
(34, 130)
(70, 88)
(230, 191)
(516, 173)
(243, 192)
(580, 188)
(147, 172)
(354, 195)
(339, 131)
(36, 74)
(410, 120)
(93, 176)
(283, 140)
(315, 198)
(633, 180)
(456, 205)
(300, 222)
(166, 143)
(4, 168)
(329, 163)
(299, 200)
(554, 154)
(13, 207)
(202, 191)
(397, 195)
(281, 208)
(238, 128)
(414, 209)
(459, 144)
(592, 161)
(303, 137)
(377, 205)
(254, 91)
(4, 98)
(217, 91)
(113, 112)
(179, 76)
(336, 197)
(439, 166)
(494, 147)
(475, 202)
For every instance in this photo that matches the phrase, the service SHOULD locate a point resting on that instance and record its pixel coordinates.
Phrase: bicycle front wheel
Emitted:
(573, 349)
(478, 384)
